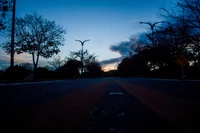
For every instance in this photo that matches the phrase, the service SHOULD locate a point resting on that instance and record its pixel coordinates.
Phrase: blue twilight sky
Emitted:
(106, 22)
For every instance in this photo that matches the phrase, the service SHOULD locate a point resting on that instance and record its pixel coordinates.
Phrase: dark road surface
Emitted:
(189, 90)
(104, 105)
(119, 112)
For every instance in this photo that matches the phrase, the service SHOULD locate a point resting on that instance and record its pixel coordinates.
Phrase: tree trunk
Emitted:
(35, 64)
(34, 67)
(34, 72)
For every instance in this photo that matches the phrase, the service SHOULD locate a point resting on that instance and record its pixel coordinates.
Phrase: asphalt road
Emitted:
(189, 90)
(105, 105)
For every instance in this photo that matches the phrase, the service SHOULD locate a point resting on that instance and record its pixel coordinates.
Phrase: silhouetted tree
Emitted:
(70, 69)
(187, 11)
(186, 15)
(134, 66)
(57, 62)
(2, 21)
(27, 66)
(43, 73)
(2, 75)
(37, 36)
(177, 36)
(20, 72)
(88, 58)
(94, 69)
(5, 6)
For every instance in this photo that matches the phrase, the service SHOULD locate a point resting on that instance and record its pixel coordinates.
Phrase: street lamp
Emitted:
(10, 6)
(13, 35)
(152, 25)
(82, 43)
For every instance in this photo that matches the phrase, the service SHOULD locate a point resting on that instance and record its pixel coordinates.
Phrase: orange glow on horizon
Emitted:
(109, 67)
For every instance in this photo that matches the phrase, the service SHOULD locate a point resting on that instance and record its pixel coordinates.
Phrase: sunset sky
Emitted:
(107, 23)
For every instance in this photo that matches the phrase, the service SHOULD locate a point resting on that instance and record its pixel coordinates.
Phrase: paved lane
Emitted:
(15, 100)
(20, 96)
(188, 90)
(119, 112)
(98, 106)
(181, 113)
(66, 113)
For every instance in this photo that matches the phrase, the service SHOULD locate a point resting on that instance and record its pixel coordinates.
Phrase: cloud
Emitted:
(139, 36)
(110, 61)
(5, 60)
(122, 48)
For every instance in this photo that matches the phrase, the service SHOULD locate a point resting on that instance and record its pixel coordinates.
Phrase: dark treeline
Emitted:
(40, 37)
(172, 45)
(176, 38)
(60, 68)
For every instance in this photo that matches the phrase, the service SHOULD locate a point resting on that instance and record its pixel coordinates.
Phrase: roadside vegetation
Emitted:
(169, 50)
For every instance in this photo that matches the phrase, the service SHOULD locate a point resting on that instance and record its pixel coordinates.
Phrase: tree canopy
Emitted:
(37, 36)
(176, 37)
(88, 58)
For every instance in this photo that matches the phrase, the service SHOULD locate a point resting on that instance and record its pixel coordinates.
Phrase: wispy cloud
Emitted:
(110, 61)
(123, 48)
(5, 60)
